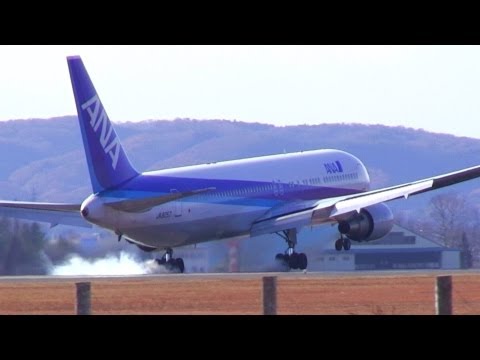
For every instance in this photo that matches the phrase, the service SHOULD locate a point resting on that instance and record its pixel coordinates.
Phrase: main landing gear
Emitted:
(171, 264)
(344, 243)
(290, 259)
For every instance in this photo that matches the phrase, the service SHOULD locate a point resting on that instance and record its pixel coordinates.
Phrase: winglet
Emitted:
(107, 162)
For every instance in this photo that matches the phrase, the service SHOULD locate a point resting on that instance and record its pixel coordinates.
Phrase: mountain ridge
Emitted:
(43, 159)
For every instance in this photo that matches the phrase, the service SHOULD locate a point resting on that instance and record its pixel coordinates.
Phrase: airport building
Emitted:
(399, 250)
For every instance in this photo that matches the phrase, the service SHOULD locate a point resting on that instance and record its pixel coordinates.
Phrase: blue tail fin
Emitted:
(107, 162)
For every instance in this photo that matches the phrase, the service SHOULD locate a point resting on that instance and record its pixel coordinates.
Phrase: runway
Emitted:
(243, 275)
(366, 292)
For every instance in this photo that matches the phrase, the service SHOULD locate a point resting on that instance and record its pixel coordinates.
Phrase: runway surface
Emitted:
(200, 276)
(366, 292)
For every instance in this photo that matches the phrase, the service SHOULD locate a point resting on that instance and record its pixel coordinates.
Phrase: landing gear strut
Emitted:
(344, 243)
(171, 264)
(290, 259)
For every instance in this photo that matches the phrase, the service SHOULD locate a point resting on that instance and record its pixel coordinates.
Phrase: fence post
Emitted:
(83, 298)
(443, 295)
(269, 295)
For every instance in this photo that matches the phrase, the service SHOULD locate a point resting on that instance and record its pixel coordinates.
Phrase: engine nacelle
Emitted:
(373, 222)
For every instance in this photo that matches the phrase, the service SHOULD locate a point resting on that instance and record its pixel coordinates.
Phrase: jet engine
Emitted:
(373, 222)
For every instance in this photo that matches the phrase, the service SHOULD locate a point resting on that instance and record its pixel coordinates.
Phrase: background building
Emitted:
(400, 249)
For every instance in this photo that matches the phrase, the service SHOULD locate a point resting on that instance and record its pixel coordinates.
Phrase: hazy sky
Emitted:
(436, 88)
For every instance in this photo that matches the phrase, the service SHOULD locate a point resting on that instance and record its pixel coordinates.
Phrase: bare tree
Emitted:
(451, 215)
(473, 236)
(450, 219)
(467, 252)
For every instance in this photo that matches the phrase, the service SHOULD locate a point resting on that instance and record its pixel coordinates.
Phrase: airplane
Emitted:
(163, 209)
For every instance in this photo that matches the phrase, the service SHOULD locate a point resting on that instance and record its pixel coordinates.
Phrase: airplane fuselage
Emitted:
(244, 190)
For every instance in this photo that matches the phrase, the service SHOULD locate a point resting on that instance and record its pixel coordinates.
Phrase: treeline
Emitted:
(29, 248)
(22, 248)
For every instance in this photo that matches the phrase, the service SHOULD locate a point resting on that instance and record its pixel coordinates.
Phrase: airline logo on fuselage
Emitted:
(333, 167)
(108, 138)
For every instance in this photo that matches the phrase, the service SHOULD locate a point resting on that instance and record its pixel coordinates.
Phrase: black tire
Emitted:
(339, 245)
(302, 261)
(280, 257)
(180, 265)
(293, 261)
(347, 244)
(160, 261)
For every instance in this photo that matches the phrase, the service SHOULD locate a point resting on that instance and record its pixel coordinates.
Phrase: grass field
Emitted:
(403, 294)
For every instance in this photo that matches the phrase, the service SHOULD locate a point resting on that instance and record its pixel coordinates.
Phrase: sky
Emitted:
(435, 88)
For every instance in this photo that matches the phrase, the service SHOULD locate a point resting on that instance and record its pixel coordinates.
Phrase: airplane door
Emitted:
(278, 188)
(177, 205)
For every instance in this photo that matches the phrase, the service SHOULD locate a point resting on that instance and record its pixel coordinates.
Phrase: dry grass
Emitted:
(381, 295)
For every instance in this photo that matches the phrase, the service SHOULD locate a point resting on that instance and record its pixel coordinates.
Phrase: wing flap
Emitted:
(289, 221)
(367, 199)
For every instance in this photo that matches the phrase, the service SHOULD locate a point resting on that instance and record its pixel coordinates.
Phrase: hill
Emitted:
(43, 159)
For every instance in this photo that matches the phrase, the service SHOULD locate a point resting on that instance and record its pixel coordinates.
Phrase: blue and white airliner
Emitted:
(160, 210)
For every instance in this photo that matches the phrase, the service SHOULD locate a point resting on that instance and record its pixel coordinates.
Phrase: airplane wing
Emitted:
(53, 213)
(143, 204)
(330, 209)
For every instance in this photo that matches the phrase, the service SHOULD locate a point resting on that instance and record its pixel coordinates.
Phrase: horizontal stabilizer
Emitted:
(138, 205)
(40, 206)
(53, 213)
